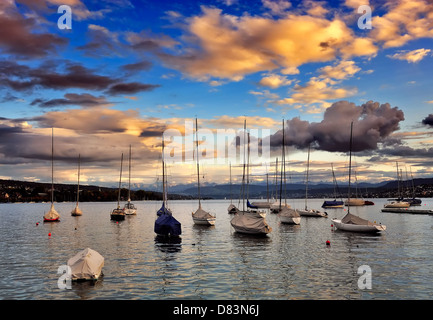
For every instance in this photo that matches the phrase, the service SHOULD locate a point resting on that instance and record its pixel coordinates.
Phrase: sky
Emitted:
(116, 73)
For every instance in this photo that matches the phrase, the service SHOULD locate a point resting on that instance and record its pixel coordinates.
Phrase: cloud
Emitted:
(413, 56)
(21, 40)
(428, 121)
(404, 21)
(317, 91)
(24, 78)
(277, 7)
(130, 88)
(84, 100)
(342, 70)
(229, 47)
(373, 124)
(274, 81)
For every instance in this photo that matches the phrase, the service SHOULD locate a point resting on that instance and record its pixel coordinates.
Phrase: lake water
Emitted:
(292, 262)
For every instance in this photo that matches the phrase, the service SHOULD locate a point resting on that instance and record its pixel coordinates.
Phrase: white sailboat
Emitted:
(52, 215)
(308, 212)
(352, 222)
(118, 213)
(201, 216)
(287, 215)
(129, 208)
(398, 203)
(246, 221)
(77, 211)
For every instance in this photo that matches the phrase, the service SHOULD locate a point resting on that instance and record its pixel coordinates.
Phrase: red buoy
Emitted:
(328, 243)
(49, 234)
(37, 223)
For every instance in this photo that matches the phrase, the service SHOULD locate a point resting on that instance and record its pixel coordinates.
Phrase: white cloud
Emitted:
(413, 56)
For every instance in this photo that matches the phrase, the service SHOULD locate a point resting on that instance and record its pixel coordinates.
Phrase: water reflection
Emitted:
(168, 244)
(86, 289)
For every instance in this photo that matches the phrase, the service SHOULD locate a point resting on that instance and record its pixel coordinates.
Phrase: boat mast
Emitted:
(52, 165)
(231, 198)
(243, 171)
(398, 182)
(129, 183)
(350, 166)
(120, 182)
(283, 168)
(198, 165)
(78, 184)
(163, 174)
(308, 168)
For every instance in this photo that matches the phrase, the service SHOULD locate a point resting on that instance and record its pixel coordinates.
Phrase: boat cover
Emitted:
(232, 208)
(201, 214)
(332, 203)
(52, 214)
(162, 210)
(250, 222)
(352, 219)
(289, 212)
(249, 205)
(167, 225)
(86, 265)
(77, 210)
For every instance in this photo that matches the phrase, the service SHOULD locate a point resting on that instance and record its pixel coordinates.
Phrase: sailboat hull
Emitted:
(52, 220)
(358, 228)
(204, 221)
(76, 212)
(290, 220)
(117, 215)
(312, 213)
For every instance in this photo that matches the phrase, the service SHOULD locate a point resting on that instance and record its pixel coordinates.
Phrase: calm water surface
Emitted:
(292, 262)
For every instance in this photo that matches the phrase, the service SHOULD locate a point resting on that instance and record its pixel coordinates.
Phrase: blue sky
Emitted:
(129, 70)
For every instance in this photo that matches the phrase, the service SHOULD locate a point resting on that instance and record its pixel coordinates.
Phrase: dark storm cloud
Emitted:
(428, 121)
(24, 78)
(84, 100)
(18, 39)
(130, 88)
(373, 123)
(136, 67)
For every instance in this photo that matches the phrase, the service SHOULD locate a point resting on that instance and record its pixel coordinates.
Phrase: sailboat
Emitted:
(246, 221)
(129, 208)
(306, 211)
(52, 215)
(201, 216)
(263, 204)
(77, 211)
(165, 224)
(287, 215)
(232, 208)
(333, 203)
(413, 201)
(398, 203)
(351, 222)
(118, 213)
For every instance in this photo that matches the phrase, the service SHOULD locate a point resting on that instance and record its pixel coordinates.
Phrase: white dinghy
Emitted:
(86, 265)
(352, 222)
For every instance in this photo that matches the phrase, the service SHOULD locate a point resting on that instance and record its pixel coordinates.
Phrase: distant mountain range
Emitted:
(13, 190)
(297, 190)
